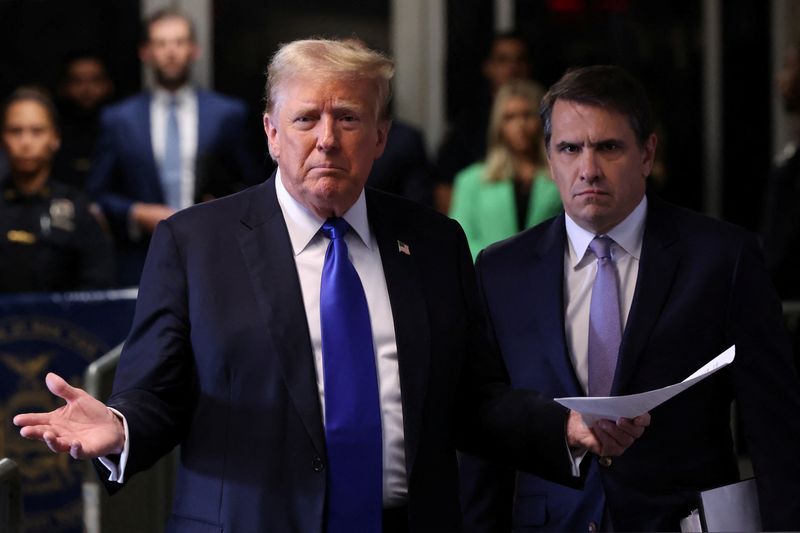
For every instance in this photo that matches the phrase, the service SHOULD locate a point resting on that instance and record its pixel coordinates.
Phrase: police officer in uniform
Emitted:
(49, 238)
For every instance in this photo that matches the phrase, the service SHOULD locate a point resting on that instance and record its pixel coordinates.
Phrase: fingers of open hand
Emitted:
(32, 419)
(56, 443)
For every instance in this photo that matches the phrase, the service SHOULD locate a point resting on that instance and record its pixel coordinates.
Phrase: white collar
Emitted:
(184, 94)
(303, 225)
(628, 234)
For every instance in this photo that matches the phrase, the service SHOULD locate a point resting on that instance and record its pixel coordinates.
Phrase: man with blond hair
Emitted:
(316, 349)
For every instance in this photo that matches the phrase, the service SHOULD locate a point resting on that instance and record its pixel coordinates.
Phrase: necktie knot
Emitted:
(601, 247)
(335, 228)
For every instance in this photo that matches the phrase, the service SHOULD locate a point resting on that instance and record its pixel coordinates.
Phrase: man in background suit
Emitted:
(166, 149)
(688, 288)
(231, 352)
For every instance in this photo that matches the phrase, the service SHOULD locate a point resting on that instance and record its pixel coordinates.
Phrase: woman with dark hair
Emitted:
(511, 189)
(49, 238)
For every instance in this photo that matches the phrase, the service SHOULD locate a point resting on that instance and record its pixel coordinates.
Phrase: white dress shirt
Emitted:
(580, 268)
(309, 246)
(187, 113)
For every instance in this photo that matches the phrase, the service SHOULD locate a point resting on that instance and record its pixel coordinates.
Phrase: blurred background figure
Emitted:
(781, 228)
(782, 215)
(49, 239)
(166, 149)
(404, 169)
(84, 88)
(506, 59)
(511, 189)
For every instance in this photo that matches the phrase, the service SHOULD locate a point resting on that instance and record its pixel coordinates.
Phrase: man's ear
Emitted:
(383, 134)
(272, 136)
(649, 154)
(144, 54)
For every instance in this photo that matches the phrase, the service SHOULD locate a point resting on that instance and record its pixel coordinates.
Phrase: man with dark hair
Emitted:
(85, 87)
(624, 294)
(165, 149)
(317, 349)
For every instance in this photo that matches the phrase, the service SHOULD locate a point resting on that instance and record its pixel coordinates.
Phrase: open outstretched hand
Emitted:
(84, 427)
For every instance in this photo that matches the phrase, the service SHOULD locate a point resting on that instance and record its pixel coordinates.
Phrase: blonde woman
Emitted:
(511, 190)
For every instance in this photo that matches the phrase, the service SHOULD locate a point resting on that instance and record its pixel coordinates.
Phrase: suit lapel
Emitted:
(142, 143)
(267, 251)
(410, 315)
(205, 129)
(657, 269)
(544, 281)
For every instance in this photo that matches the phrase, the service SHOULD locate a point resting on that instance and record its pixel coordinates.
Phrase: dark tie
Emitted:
(605, 330)
(171, 169)
(352, 408)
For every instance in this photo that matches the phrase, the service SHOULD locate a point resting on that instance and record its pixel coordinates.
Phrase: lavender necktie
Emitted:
(605, 329)
(352, 404)
(171, 167)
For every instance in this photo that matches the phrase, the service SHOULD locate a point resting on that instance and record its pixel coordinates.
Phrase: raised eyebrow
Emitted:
(347, 109)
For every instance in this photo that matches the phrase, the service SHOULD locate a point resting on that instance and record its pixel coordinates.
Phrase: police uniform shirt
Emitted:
(50, 242)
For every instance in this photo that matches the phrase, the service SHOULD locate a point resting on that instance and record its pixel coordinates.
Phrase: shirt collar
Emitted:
(162, 96)
(303, 225)
(628, 234)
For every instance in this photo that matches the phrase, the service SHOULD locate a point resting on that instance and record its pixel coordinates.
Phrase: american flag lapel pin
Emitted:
(403, 248)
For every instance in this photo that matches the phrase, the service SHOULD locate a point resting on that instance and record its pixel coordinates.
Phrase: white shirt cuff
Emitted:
(575, 458)
(117, 471)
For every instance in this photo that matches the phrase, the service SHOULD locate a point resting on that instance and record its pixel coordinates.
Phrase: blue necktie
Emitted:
(352, 408)
(171, 168)
(605, 329)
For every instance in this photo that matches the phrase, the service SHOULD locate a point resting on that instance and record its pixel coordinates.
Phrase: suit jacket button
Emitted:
(592, 527)
(605, 461)
(317, 464)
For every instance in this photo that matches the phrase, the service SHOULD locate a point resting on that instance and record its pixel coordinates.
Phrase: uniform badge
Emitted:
(62, 214)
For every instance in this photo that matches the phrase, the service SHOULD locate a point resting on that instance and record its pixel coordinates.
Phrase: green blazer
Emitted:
(487, 210)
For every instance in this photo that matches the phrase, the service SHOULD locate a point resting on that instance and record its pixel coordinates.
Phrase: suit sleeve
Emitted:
(767, 390)
(520, 429)
(155, 387)
(486, 488)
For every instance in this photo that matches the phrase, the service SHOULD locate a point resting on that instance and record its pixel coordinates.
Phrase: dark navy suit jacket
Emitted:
(124, 169)
(702, 286)
(219, 360)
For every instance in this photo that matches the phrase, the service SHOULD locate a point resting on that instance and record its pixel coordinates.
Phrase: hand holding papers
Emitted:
(633, 405)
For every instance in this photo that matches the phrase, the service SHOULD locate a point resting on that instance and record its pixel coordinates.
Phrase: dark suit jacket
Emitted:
(219, 360)
(702, 286)
(124, 169)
